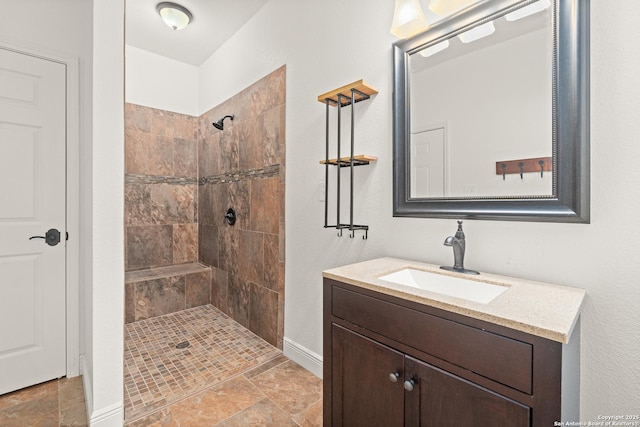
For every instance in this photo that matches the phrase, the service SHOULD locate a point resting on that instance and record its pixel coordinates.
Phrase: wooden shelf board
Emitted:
(360, 159)
(346, 91)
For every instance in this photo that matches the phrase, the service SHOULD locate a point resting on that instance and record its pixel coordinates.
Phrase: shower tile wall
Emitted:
(243, 167)
(160, 188)
(160, 205)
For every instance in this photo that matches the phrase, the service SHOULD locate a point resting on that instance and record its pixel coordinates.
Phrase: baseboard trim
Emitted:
(111, 416)
(87, 385)
(303, 356)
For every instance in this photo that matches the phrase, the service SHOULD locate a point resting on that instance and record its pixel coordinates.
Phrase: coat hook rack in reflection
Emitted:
(522, 166)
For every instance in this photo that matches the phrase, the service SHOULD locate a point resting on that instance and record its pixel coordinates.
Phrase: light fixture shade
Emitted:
(447, 7)
(408, 19)
(175, 16)
(477, 33)
(536, 7)
(432, 50)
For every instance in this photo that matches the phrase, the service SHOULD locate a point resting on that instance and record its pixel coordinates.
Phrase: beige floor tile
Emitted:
(266, 366)
(40, 391)
(73, 415)
(290, 386)
(263, 413)
(162, 418)
(71, 392)
(310, 417)
(39, 412)
(217, 404)
(57, 403)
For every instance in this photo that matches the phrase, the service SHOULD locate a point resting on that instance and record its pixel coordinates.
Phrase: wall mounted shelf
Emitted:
(341, 97)
(345, 162)
(362, 93)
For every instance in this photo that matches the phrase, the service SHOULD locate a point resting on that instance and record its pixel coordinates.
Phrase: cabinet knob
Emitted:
(408, 385)
(393, 377)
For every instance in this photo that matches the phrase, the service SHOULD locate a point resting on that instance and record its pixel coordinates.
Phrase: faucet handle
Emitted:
(460, 233)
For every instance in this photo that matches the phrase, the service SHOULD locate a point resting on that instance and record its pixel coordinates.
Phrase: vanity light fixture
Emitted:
(477, 33)
(408, 19)
(536, 7)
(175, 16)
(432, 50)
(448, 7)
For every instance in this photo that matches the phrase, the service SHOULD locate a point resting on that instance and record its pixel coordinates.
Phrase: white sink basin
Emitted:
(471, 290)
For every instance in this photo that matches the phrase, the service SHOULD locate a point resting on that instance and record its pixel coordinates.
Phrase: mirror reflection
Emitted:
(481, 110)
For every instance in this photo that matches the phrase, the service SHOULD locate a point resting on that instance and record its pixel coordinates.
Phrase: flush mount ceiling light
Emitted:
(447, 7)
(408, 19)
(175, 16)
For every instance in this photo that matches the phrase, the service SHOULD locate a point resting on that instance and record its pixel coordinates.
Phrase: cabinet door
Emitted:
(441, 399)
(363, 393)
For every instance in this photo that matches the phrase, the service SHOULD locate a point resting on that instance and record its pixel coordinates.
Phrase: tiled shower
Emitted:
(182, 175)
(242, 167)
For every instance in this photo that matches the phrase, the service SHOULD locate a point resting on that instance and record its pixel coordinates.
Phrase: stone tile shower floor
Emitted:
(164, 384)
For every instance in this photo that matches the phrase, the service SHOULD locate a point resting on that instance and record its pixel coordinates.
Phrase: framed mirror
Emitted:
(491, 114)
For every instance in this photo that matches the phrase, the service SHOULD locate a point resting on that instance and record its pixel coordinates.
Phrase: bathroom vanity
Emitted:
(399, 354)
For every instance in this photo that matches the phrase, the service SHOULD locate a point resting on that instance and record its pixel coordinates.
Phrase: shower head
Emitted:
(219, 124)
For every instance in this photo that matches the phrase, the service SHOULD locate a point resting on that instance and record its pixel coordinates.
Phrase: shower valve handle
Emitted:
(231, 216)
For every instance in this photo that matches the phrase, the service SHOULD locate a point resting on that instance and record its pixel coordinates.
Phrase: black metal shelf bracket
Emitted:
(343, 101)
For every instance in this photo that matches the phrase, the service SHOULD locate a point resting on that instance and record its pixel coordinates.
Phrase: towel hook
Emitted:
(541, 163)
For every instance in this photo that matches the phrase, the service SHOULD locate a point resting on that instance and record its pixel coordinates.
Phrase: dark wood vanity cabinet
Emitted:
(392, 362)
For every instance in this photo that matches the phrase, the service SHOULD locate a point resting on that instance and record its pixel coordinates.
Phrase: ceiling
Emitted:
(214, 22)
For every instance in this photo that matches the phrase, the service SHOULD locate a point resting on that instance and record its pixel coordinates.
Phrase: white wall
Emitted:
(159, 82)
(93, 33)
(105, 346)
(600, 257)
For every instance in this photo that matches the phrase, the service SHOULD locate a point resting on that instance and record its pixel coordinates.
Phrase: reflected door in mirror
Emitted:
(428, 163)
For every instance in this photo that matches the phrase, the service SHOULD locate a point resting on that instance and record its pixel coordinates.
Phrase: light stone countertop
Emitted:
(541, 309)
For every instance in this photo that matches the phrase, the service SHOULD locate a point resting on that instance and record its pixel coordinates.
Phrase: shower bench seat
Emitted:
(157, 291)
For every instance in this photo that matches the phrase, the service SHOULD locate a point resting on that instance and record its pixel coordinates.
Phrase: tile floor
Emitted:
(234, 380)
(226, 376)
(51, 404)
(157, 373)
(277, 393)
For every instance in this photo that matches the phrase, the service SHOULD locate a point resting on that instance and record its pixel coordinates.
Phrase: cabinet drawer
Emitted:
(493, 356)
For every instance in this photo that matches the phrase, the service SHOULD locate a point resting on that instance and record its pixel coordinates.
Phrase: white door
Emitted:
(428, 163)
(32, 201)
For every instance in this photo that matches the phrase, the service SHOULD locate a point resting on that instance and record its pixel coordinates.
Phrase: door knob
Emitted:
(52, 237)
(393, 377)
(408, 385)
